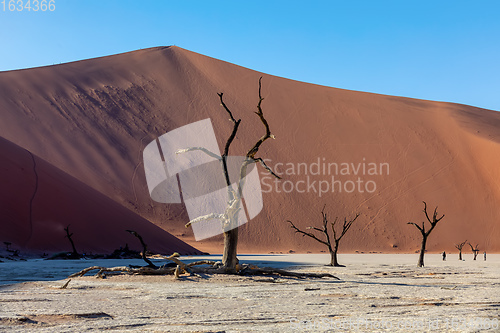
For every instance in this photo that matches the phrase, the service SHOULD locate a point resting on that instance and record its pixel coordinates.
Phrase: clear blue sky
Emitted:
(438, 50)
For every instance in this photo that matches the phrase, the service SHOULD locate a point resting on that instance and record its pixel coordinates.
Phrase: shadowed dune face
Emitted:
(92, 119)
(37, 201)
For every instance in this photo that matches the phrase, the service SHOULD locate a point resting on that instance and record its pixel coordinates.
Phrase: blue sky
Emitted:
(437, 50)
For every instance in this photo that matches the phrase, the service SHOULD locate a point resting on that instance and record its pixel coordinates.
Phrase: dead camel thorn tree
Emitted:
(425, 234)
(229, 259)
(337, 235)
(230, 217)
(475, 250)
(459, 247)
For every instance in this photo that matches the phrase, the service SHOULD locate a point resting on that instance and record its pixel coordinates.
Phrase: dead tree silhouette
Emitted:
(475, 250)
(337, 235)
(69, 236)
(459, 247)
(425, 234)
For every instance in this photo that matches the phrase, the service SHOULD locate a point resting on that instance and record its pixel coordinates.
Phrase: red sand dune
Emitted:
(98, 223)
(92, 119)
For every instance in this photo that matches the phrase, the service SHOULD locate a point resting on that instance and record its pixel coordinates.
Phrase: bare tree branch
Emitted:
(144, 249)
(207, 217)
(251, 153)
(325, 227)
(474, 249)
(425, 211)
(236, 124)
(227, 109)
(202, 262)
(307, 233)
(258, 159)
(347, 225)
(206, 151)
(461, 245)
(128, 270)
(317, 229)
(419, 228)
(337, 236)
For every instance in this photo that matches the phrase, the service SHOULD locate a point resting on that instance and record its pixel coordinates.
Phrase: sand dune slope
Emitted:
(37, 201)
(92, 119)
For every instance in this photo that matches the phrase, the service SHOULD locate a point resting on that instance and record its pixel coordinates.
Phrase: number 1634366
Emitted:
(28, 5)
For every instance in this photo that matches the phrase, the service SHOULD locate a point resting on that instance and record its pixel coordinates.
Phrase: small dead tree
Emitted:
(337, 235)
(69, 236)
(425, 233)
(144, 249)
(7, 246)
(459, 247)
(475, 250)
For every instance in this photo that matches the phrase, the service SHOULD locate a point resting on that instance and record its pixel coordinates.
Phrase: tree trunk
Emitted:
(422, 252)
(475, 255)
(333, 255)
(229, 259)
(460, 255)
(333, 259)
(75, 253)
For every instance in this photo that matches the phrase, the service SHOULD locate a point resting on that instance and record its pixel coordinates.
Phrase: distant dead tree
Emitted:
(475, 250)
(425, 234)
(144, 249)
(7, 245)
(459, 247)
(337, 235)
(69, 236)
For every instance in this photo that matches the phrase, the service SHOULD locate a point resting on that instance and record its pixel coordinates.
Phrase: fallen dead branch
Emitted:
(65, 285)
(194, 269)
(124, 270)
